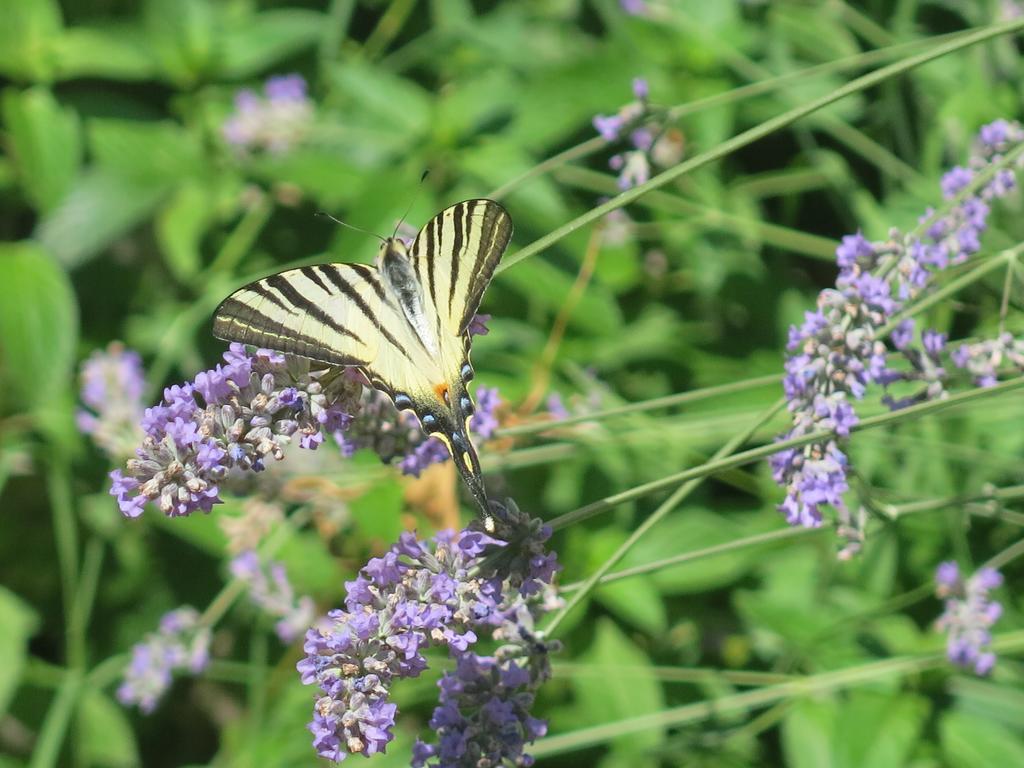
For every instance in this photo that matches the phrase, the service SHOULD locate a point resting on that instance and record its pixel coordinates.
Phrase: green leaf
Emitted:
(180, 226)
(378, 512)
(690, 530)
(110, 52)
(384, 113)
(310, 566)
(160, 150)
(614, 686)
(27, 36)
(100, 207)
(45, 143)
(20, 622)
(182, 36)
(255, 42)
(807, 732)
(38, 326)
(107, 738)
(635, 600)
(879, 730)
(969, 741)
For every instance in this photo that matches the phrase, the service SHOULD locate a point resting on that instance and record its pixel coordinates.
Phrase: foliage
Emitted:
(157, 154)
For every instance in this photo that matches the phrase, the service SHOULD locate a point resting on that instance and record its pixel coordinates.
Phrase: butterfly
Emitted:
(403, 323)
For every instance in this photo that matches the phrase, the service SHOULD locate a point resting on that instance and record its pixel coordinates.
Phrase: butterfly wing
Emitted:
(328, 312)
(455, 256)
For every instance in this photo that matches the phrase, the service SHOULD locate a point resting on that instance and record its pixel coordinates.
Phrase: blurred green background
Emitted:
(130, 206)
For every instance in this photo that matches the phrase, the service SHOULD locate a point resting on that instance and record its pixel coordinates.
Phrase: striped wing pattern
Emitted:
(333, 313)
(455, 256)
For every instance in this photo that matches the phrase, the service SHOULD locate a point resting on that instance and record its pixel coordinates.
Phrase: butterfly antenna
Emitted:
(350, 226)
(412, 202)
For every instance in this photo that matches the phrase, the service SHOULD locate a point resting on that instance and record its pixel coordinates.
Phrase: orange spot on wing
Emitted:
(441, 390)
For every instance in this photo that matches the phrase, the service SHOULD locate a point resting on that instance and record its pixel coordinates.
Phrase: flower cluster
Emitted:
(112, 389)
(446, 591)
(969, 615)
(391, 433)
(272, 593)
(982, 359)
(651, 142)
(273, 121)
(180, 644)
(235, 416)
(837, 352)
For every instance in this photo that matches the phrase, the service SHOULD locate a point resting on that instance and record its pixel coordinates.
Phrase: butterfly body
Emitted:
(404, 323)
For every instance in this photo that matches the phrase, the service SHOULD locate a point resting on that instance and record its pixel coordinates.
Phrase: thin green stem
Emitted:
(653, 519)
(335, 30)
(241, 239)
(56, 722)
(235, 588)
(85, 595)
(745, 457)
(390, 24)
(668, 401)
(570, 669)
(975, 273)
(757, 133)
(1011, 642)
(891, 511)
(896, 511)
(584, 149)
(733, 96)
(769, 537)
(711, 218)
(1008, 555)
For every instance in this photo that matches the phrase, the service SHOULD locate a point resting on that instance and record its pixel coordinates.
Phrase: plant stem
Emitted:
(655, 517)
(667, 401)
(759, 132)
(840, 679)
(781, 534)
(745, 457)
(56, 722)
(711, 218)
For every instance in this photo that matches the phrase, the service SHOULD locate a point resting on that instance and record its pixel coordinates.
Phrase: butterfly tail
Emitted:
(466, 461)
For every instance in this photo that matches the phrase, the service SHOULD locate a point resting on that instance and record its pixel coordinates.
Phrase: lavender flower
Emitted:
(982, 359)
(837, 352)
(392, 433)
(483, 715)
(652, 143)
(634, 7)
(443, 592)
(271, 592)
(230, 418)
(112, 387)
(180, 644)
(968, 615)
(275, 121)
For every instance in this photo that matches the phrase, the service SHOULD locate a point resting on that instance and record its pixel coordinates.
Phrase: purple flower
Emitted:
(112, 387)
(608, 126)
(955, 180)
(446, 591)
(983, 359)
(556, 407)
(180, 644)
(271, 592)
(640, 88)
(274, 122)
(478, 325)
(969, 615)
(485, 420)
(634, 7)
(837, 353)
(252, 406)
